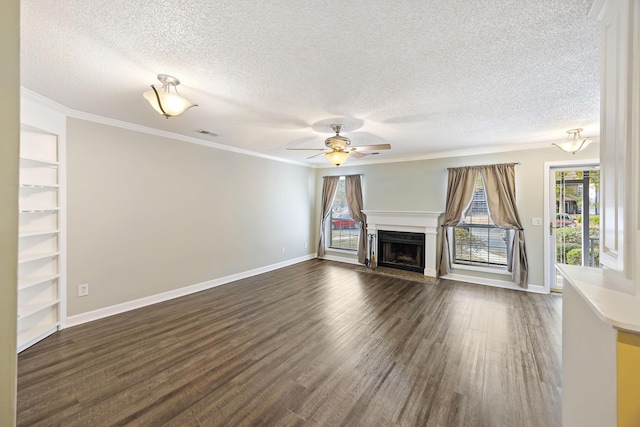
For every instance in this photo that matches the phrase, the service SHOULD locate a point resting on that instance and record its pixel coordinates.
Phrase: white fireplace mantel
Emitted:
(409, 221)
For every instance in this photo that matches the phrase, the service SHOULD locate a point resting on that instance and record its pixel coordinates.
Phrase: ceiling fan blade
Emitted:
(307, 149)
(357, 155)
(315, 155)
(371, 147)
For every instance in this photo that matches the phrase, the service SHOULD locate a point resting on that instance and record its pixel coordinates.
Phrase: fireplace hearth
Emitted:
(401, 250)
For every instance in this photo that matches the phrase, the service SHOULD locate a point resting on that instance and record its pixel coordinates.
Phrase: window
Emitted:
(477, 240)
(343, 230)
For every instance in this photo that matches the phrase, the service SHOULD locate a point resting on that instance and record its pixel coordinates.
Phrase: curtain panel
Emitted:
(329, 186)
(499, 183)
(459, 195)
(354, 202)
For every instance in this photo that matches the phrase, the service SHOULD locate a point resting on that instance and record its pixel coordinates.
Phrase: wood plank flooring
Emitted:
(314, 344)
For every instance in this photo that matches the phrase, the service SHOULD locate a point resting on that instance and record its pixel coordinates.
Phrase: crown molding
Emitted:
(492, 149)
(598, 9)
(69, 112)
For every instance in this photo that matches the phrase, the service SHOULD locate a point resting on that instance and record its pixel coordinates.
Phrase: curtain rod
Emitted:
(480, 166)
(353, 174)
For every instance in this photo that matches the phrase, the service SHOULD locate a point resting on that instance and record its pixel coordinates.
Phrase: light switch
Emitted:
(536, 221)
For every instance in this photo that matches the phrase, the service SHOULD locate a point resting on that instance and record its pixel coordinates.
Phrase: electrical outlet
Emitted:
(536, 221)
(306, 245)
(282, 249)
(83, 290)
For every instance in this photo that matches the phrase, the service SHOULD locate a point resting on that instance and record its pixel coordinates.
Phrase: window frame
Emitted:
(480, 265)
(329, 227)
(484, 266)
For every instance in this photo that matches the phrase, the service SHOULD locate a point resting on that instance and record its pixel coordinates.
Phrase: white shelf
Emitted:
(30, 309)
(37, 257)
(38, 162)
(39, 233)
(41, 293)
(40, 186)
(33, 335)
(40, 210)
(33, 281)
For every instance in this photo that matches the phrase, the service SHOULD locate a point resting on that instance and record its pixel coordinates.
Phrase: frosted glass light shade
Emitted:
(337, 157)
(573, 146)
(173, 104)
(574, 143)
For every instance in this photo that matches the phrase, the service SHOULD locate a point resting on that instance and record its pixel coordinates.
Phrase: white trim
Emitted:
(549, 200)
(100, 313)
(342, 251)
(341, 259)
(45, 117)
(410, 221)
(598, 9)
(431, 272)
(144, 129)
(478, 267)
(39, 337)
(505, 148)
(481, 269)
(505, 284)
(24, 92)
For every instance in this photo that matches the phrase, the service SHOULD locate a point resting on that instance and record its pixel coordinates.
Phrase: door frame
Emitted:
(549, 202)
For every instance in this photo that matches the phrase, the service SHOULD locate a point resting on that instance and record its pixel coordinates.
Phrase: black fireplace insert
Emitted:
(401, 250)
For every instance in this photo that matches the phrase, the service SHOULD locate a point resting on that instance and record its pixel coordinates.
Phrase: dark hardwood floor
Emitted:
(317, 343)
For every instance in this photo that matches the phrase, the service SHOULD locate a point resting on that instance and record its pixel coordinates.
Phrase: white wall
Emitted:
(150, 215)
(422, 186)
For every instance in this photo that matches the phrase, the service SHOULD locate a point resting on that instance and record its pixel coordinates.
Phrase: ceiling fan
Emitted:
(339, 148)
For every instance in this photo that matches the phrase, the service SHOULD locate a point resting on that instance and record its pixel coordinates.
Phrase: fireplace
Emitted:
(402, 250)
(423, 223)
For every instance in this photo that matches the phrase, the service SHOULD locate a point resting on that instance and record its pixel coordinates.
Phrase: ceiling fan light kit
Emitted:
(341, 149)
(337, 157)
(166, 102)
(574, 142)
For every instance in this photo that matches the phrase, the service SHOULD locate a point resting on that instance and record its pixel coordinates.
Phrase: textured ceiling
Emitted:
(426, 76)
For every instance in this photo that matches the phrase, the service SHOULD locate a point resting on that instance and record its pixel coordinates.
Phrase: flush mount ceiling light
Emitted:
(574, 142)
(166, 102)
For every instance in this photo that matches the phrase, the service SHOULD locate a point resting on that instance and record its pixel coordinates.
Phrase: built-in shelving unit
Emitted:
(601, 307)
(39, 247)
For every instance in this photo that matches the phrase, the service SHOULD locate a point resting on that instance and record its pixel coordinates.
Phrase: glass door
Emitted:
(575, 222)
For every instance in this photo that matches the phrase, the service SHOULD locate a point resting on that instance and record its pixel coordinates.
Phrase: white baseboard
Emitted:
(506, 284)
(431, 272)
(101, 313)
(341, 259)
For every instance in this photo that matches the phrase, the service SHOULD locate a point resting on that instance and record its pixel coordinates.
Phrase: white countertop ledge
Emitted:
(609, 295)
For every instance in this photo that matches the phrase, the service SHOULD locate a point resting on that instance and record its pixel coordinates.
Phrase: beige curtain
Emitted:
(354, 201)
(500, 185)
(329, 186)
(459, 195)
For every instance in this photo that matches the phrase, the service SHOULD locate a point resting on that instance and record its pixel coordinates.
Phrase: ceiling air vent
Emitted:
(206, 132)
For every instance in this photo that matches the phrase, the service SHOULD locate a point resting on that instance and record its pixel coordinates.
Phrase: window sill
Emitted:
(342, 251)
(482, 269)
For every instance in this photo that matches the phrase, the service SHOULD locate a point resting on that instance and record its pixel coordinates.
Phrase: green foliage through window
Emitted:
(477, 240)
